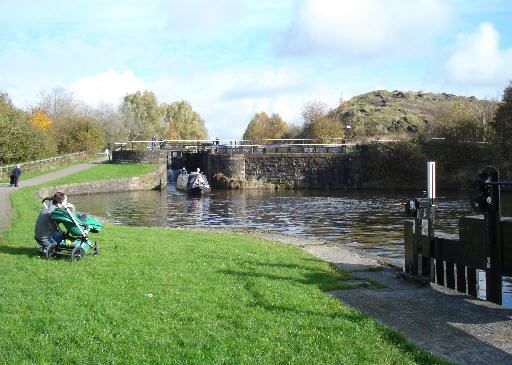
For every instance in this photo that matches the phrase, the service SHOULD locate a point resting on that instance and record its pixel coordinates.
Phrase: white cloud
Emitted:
(264, 83)
(107, 87)
(226, 102)
(477, 60)
(200, 15)
(363, 28)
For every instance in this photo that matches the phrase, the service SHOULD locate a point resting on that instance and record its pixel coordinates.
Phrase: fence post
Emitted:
(492, 214)
(461, 278)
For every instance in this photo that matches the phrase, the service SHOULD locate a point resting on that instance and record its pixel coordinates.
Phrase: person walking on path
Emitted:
(16, 172)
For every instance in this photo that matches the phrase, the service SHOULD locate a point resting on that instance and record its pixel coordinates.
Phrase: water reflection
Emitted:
(370, 220)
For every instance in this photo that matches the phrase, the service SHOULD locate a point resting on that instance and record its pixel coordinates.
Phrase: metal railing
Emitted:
(241, 146)
(31, 166)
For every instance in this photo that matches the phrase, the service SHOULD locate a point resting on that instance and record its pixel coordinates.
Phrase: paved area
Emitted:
(5, 202)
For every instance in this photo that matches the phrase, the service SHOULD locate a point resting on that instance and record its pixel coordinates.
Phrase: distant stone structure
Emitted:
(286, 171)
(263, 170)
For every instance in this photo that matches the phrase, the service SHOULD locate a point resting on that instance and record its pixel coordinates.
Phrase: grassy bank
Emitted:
(30, 175)
(175, 296)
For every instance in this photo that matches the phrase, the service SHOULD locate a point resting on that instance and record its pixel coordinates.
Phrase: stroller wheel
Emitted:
(96, 251)
(51, 250)
(78, 253)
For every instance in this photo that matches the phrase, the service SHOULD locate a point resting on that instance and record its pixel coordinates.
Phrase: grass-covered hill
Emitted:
(383, 112)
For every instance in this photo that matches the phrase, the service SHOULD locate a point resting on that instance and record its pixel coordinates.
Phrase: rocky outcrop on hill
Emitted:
(383, 112)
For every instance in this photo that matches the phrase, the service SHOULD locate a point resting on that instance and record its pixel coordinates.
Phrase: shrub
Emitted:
(79, 133)
(20, 140)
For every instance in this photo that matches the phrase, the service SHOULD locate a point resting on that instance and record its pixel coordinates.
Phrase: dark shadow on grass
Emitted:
(315, 278)
(22, 251)
(283, 266)
(356, 317)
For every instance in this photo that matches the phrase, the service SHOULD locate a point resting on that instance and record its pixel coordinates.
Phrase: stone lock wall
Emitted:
(154, 180)
(304, 171)
(285, 171)
(139, 157)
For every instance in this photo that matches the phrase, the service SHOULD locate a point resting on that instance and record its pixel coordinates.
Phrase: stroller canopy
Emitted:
(87, 223)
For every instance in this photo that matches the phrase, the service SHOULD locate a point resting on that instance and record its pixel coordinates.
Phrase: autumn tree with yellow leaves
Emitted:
(41, 119)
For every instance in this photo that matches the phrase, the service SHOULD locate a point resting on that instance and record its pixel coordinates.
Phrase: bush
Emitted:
(79, 133)
(324, 127)
(20, 140)
(403, 164)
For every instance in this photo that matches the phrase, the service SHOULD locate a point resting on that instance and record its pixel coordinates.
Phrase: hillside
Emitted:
(383, 112)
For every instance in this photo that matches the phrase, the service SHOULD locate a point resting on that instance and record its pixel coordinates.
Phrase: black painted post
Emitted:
(439, 272)
(472, 277)
(425, 266)
(492, 218)
(418, 227)
(461, 278)
(450, 275)
(426, 259)
(409, 241)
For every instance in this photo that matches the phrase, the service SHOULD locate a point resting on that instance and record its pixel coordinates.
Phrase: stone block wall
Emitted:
(285, 171)
(304, 171)
(44, 164)
(154, 180)
(139, 157)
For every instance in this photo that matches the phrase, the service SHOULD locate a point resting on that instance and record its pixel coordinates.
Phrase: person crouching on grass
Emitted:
(46, 231)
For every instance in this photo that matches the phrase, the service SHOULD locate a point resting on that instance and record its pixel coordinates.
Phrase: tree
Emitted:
(182, 121)
(111, 122)
(143, 116)
(20, 140)
(502, 123)
(57, 103)
(294, 131)
(318, 124)
(313, 111)
(325, 128)
(461, 121)
(262, 126)
(79, 133)
(41, 119)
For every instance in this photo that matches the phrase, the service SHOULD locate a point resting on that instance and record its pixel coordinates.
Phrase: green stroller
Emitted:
(76, 242)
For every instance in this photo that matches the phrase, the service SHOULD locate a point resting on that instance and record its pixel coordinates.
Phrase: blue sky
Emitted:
(231, 59)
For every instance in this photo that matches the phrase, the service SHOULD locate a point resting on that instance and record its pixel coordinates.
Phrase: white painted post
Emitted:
(431, 176)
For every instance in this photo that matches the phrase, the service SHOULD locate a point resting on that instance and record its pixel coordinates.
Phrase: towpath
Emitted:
(6, 211)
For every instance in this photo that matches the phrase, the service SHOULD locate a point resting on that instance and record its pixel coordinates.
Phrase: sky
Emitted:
(231, 59)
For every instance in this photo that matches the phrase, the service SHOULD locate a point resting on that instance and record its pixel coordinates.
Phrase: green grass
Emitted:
(105, 171)
(179, 297)
(30, 175)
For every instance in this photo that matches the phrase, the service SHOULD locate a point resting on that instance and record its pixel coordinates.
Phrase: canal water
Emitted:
(369, 220)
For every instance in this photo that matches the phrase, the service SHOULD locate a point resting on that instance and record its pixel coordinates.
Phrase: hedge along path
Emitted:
(6, 211)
